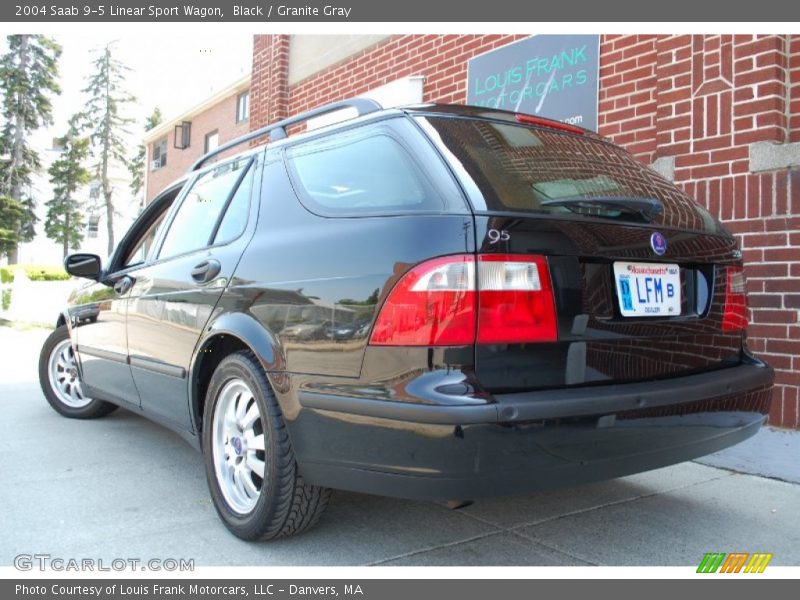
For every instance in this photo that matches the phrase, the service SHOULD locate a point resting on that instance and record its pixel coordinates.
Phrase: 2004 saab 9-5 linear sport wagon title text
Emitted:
(177, 11)
(113, 10)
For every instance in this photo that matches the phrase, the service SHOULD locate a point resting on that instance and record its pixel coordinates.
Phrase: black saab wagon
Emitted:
(437, 302)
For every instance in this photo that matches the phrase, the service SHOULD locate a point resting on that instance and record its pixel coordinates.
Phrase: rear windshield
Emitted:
(518, 169)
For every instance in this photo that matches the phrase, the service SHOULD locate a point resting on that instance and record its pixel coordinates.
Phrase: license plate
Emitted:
(648, 289)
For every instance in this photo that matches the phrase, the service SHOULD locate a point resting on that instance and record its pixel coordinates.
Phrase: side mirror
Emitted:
(83, 265)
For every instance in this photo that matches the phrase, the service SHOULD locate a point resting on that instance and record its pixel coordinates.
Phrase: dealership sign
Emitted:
(551, 76)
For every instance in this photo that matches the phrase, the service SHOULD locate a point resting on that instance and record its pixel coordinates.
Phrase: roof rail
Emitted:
(277, 131)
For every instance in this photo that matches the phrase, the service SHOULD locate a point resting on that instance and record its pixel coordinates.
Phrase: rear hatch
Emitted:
(646, 284)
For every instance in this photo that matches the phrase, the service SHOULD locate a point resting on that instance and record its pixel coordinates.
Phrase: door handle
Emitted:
(123, 284)
(206, 271)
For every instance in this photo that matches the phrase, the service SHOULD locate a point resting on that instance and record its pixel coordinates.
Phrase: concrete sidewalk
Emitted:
(773, 453)
(123, 487)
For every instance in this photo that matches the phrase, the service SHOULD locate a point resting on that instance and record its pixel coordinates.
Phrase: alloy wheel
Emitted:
(64, 377)
(238, 446)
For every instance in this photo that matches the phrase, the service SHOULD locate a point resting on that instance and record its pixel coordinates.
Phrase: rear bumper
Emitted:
(526, 441)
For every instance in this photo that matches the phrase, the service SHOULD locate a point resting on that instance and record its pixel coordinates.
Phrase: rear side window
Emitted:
(198, 214)
(520, 169)
(377, 169)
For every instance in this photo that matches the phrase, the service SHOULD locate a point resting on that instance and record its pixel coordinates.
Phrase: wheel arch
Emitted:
(229, 333)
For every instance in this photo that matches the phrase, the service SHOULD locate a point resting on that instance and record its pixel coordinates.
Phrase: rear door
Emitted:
(173, 297)
(346, 213)
(638, 270)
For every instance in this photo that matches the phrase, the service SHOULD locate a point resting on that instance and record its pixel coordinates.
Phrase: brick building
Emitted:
(718, 114)
(175, 144)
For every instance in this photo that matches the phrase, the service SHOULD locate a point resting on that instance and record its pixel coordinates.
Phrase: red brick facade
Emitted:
(219, 117)
(699, 101)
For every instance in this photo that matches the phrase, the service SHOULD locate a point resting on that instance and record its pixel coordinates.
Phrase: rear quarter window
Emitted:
(372, 170)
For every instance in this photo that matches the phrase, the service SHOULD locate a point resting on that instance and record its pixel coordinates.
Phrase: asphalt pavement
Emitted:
(123, 487)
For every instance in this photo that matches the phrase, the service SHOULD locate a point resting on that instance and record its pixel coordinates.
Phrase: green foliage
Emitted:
(28, 77)
(138, 164)
(106, 293)
(105, 121)
(371, 300)
(35, 273)
(12, 216)
(103, 116)
(64, 222)
(6, 299)
(45, 272)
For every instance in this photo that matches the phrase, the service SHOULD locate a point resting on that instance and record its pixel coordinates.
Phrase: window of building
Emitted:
(243, 106)
(91, 228)
(212, 141)
(182, 135)
(159, 155)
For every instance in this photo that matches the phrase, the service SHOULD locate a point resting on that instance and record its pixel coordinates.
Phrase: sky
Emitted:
(171, 70)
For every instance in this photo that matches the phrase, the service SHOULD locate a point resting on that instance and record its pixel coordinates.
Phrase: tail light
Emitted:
(734, 317)
(448, 302)
(540, 122)
(432, 305)
(515, 300)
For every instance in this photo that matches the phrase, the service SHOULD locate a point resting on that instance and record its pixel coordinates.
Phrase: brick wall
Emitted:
(442, 59)
(269, 97)
(692, 103)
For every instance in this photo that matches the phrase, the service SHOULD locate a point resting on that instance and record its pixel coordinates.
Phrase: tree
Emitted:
(104, 119)
(12, 213)
(28, 73)
(138, 164)
(64, 222)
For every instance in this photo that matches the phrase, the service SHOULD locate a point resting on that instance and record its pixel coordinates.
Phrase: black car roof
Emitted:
(368, 108)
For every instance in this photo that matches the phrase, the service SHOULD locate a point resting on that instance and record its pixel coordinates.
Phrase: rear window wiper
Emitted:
(648, 208)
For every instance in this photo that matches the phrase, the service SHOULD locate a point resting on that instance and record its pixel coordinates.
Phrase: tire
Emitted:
(250, 465)
(60, 380)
